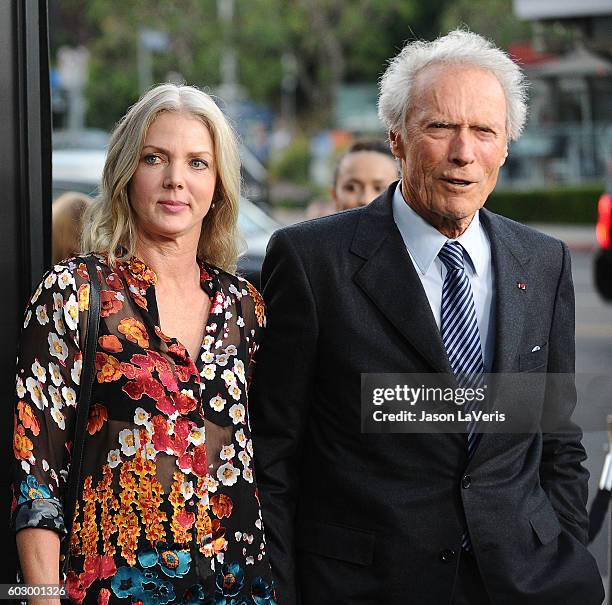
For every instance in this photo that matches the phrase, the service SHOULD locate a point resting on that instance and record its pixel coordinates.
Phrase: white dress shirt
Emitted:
(424, 242)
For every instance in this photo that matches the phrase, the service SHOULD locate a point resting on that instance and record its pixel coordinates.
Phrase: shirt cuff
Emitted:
(46, 513)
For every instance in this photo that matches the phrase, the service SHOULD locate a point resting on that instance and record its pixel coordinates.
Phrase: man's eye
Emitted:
(439, 125)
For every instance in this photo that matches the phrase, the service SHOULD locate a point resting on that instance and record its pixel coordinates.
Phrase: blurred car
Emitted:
(81, 170)
(603, 256)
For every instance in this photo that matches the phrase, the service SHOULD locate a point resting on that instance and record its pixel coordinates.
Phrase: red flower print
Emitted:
(27, 418)
(104, 596)
(83, 297)
(134, 331)
(222, 505)
(200, 462)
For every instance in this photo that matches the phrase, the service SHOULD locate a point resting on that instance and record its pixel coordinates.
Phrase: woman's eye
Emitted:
(197, 163)
(152, 159)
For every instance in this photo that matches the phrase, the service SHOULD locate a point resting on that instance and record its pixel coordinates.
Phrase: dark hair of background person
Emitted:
(363, 145)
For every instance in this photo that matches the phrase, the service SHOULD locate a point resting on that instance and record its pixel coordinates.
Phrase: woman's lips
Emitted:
(173, 206)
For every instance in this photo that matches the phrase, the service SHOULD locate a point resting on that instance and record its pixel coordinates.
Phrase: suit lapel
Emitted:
(389, 279)
(510, 262)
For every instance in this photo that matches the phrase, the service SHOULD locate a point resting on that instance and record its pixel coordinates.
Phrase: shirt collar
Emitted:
(424, 241)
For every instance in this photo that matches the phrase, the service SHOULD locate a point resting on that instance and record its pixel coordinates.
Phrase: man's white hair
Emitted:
(458, 47)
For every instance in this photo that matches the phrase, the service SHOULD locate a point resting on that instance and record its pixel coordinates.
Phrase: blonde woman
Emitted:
(168, 509)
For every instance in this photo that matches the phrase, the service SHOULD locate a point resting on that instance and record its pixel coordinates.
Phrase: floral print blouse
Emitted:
(168, 510)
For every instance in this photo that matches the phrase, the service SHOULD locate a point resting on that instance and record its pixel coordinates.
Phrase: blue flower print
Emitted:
(127, 582)
(173, 562)
(32, 490)
(262, 592)
(194, 595)
(230, 579)
(161, 593)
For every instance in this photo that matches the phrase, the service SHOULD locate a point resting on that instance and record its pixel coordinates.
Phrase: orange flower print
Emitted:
(97, 417)
(111, 302)
(109, 367)
(134, 331)
(22, 446)
(222, 505)
(26, 416)
(259, 304)
(83, 297)
(110, 343)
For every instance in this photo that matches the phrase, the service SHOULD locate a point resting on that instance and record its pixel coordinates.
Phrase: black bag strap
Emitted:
(82, 411)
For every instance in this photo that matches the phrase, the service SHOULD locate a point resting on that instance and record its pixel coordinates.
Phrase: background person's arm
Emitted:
(280, 399)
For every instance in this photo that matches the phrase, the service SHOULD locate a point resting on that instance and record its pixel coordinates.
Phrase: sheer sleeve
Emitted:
(254, 317)
(47, 388)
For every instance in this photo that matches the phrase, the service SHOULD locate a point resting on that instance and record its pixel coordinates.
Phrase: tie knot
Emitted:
(451, 255)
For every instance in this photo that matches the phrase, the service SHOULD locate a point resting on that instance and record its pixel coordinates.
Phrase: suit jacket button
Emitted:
(447, 555)
(466, 481)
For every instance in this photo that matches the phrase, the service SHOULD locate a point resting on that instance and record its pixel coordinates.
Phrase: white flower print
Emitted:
(36, 393)
(197, 435)
(75, 373)
(228, 377)
(45, 465)
(212, 484)
(26, 319)
(187, 490)
(221, 360)
(250, 560)
(239, 369)
(39, 371)
(20, 388)
(241, 438)
(58, 320)
(249, 447)
(71, 312)
(65, 279)
(217, 403)
(240, 322)
(56, 398)
(208, 371)
(129, 442)
(208, 357)
(228, 474)
(236, 413)
(42, 315)
(69, 396)
(247, 475)
(141, 417)
(150, 453)
(114, 458)
(36, 294)
(50, 280)
(227, 452)
(234, 391)
(58, 301)
(25, 466)
(208, 341)
(58, 417)
(57, 347)
(231, 350)
(54, 372)
(244, 458)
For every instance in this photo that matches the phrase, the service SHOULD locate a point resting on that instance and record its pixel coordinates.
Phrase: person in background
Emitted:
(167, 508)
(67, 224)
(361, 174)
(424, 280)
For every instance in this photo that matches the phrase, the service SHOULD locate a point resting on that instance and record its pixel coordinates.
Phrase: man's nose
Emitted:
(461, 151)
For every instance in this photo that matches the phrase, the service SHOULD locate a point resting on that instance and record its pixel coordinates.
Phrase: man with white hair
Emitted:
(424, 280)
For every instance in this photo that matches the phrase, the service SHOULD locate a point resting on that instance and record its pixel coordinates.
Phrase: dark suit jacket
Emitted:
(356, 518)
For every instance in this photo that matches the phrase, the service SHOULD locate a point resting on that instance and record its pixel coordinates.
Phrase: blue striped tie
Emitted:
(460, 335)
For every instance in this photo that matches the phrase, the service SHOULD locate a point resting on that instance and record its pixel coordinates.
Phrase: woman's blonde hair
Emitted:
(109, 221)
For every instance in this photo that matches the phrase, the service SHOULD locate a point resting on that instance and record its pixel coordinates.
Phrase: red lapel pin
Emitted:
(520, 285)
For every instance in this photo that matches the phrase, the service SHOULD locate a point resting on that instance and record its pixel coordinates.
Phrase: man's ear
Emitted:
(503, 160)
(396, 144)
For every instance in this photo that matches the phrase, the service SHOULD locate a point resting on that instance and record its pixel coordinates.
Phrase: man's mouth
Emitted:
(458, 182)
